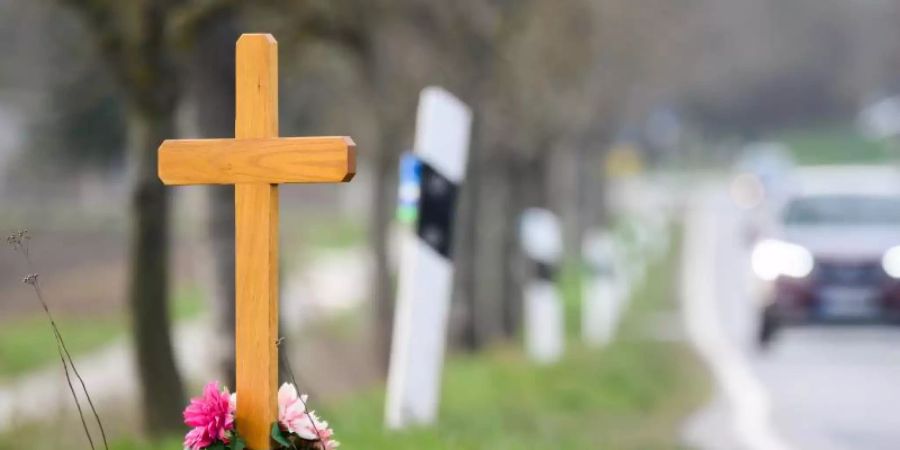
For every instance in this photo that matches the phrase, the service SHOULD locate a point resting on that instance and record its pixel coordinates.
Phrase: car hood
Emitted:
(844, 242)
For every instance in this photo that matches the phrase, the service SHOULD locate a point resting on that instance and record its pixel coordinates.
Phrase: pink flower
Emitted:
(291, 407)
(293, 416)
(315, 429)
(196, 439)
(211, 416)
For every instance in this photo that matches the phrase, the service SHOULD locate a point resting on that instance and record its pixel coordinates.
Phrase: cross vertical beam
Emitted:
(255, 162)
(256, 239)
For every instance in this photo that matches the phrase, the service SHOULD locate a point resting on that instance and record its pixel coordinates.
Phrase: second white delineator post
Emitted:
(544, 332)
(425, 275)
(544, 322)
(601, 299)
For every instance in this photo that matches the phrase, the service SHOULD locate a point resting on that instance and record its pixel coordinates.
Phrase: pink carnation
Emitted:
(315, 429)
(291, 407)
(211, 416)
(293, 416)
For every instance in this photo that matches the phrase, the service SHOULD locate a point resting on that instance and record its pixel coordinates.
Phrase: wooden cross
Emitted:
(255, 162)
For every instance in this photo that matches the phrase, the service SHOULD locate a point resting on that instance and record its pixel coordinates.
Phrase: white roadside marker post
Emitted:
(601, 299)
(544, 318)
(425, 275)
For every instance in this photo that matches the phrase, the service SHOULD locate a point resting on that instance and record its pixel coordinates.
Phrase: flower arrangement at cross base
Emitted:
(211, 418)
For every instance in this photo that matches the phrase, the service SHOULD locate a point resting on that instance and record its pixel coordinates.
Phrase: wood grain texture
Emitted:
(256, 87)
(256, 332)
(273, 160)
(256, 240)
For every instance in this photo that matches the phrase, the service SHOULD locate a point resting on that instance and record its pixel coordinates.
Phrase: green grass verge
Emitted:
(633, 394)
(132, 444)
(37, 438)
(834, 145)
(27, 344)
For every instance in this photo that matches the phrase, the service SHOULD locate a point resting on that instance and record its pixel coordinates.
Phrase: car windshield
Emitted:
(843, 210)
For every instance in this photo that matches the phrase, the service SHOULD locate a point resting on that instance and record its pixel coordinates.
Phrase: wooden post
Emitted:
(256, 162)
(256, 244)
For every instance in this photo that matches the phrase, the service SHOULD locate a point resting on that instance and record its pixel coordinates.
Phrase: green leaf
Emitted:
(278, 436)
(237, 443)
(216, 446)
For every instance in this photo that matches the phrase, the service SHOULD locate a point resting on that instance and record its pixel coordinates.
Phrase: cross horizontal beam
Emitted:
(268, 160)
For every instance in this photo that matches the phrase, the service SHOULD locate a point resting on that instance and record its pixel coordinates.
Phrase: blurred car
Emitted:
(833, 252)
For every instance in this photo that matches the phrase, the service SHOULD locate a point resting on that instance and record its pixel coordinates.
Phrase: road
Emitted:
(816, 388)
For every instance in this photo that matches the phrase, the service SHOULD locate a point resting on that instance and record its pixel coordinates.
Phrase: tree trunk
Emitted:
(212, 89)
(161, 387)
(464, 262)
(566, 184)
(384, 192)
(526, 178)
(138, 55)
(491, 224)
(221, 239)
(512, 250)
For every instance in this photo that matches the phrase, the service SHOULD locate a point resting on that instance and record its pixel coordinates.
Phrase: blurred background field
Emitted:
(634, 120)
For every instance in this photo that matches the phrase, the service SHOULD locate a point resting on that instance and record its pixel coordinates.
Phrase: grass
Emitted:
(174, 443)
(336, 234)
(324, 233)
(40, 439)
(27, 344)
(571, 279)
(834, 145)
(633, 394)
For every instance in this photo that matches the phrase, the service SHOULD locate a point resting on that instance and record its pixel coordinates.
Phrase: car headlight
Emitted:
(891, 262)
(772, 258)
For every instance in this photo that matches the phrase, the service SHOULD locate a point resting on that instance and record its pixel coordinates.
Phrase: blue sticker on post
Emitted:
(409, 188)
